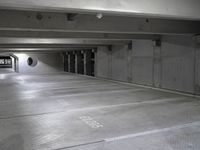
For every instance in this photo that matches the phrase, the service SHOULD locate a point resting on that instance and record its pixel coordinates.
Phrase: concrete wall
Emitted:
(119, 63)
(197, 72)
(129, 65)
(142, 66)
(103, 62)
(178, 67)
(47, 62)
(175, 65)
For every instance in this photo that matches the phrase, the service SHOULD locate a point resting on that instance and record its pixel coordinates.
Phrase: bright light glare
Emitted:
(2, 76)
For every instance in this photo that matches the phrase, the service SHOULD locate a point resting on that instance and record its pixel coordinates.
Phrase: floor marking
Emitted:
(127, 104)
(74, 87)
(98, 92)
(93, 108)
(91, 122)
(79, 145)
(31, 115)
(153, 131)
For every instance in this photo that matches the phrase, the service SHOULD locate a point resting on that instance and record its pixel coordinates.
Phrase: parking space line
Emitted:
(197, 123)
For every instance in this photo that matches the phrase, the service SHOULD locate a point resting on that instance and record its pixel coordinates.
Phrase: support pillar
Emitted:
(157, 64)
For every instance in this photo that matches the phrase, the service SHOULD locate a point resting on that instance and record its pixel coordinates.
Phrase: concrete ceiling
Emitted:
(74, 22)
(179, 9)
(58, 22)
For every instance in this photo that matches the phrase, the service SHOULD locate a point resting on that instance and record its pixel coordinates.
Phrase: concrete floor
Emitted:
(69, 112)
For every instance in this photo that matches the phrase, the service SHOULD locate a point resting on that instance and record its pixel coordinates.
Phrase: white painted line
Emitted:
(153, 132)
(98, 92)
(127, 104)
(74, 87)
(97, 107)
(91, 122)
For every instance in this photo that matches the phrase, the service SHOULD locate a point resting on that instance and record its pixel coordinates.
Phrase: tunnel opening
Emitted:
(5, 62)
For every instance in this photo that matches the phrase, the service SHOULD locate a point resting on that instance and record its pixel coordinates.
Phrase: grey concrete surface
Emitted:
(6, 70)
(70, 112)
(46, 62)
(18, 21)
(174, 65)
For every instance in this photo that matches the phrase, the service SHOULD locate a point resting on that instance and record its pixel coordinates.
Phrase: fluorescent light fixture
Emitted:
(99, 15)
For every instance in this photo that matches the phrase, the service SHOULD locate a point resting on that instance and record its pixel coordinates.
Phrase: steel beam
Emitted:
(18, 21)
(181, 9)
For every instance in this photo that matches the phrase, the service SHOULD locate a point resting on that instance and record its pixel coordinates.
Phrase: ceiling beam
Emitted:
(52, 49)
(65, 41)
(63, 46)
(57, 22)
(181, 9)
(109, 36)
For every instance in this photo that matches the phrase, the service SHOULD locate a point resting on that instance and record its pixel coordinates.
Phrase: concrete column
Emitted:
(129, 62)
(102, 61)
(79, 62)
(16, 62)
(66, 62)
(84, 62)
(110, 62)
(157, 66)
(72, 62)
(95, 62)
(88, 63)
(197, 72)
(76, 63)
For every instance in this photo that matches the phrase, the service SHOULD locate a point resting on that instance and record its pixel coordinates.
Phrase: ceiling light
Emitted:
(99, 15)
